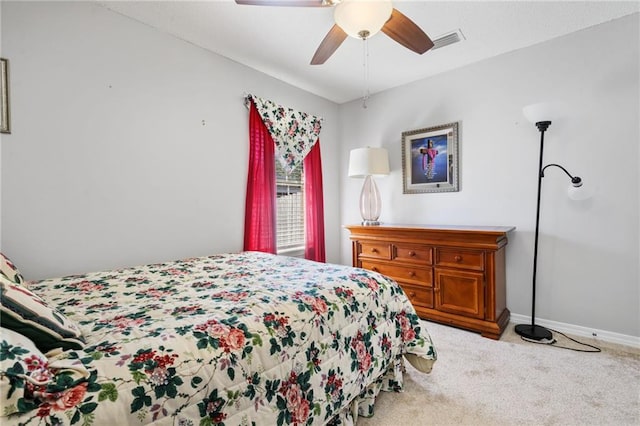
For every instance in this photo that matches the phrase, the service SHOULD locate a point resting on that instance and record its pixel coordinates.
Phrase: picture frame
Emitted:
(430, 159)
(4, 96)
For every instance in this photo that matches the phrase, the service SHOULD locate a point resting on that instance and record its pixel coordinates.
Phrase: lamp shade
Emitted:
(542, 111)
(368, 161)
(355, 16)
(579, 193)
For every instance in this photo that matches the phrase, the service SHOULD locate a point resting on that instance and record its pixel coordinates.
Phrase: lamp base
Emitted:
(370, 202)
(370, 223)
(533, 332)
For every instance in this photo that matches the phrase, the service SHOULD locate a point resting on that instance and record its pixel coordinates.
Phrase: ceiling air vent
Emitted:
(447, 39)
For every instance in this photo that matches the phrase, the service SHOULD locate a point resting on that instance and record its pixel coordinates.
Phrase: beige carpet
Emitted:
(478, 381)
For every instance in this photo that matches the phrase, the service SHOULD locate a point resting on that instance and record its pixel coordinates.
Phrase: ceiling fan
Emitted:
(360, 19)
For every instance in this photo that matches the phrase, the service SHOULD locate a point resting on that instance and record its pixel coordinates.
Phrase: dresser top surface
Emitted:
(461, 228)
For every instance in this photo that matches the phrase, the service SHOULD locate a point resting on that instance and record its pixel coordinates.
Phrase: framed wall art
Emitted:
(430, 159)
(4, 96)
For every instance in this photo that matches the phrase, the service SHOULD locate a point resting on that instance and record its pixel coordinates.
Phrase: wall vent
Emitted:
(447, 39)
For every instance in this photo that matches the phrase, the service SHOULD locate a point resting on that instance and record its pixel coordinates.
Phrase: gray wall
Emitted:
(588, 251)
(129, 146)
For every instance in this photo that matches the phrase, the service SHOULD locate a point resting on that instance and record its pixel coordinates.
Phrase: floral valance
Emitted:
(294, 133)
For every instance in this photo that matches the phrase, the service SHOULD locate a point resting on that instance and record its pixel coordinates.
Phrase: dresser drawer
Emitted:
(401, 273)
(418, 295)
(412, 254)
(456, 258)
(373, 250)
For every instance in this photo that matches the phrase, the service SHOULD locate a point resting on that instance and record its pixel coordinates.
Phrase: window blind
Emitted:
(289, 211)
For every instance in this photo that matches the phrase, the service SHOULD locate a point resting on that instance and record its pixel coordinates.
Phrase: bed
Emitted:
(230, 339)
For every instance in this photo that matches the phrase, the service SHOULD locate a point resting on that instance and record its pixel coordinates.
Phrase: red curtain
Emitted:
(260, 207)
(314, 206)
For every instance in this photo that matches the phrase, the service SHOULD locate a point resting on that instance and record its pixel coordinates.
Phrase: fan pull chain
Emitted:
(365, 63)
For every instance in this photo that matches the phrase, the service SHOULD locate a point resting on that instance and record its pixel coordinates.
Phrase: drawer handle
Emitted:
(374, 269)
(374, 250)
(458, 258)
(412, 274)
(412, 253)
(412, 294)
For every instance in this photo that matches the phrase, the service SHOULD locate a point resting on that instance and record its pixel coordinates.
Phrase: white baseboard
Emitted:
(576, 330)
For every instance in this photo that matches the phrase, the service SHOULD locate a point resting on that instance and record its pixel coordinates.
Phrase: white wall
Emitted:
(588, 251)
(129, 146)
(109, 163)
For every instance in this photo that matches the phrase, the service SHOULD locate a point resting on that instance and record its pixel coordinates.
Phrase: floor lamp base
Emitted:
(533, 332)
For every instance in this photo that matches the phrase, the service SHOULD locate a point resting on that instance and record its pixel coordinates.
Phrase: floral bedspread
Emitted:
(232, 339)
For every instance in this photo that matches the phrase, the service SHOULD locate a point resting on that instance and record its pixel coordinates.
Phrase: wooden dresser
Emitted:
(452, 274)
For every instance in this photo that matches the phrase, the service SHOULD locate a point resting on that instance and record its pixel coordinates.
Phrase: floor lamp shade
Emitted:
(366, 163)
(578, 193)
(539, 112)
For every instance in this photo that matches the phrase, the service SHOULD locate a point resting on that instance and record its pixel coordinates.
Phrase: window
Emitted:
(286, 215)
(290, 211)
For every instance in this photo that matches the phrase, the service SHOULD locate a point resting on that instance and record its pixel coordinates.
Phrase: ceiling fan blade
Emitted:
(329, 44)
(289, 3)
(407, 33)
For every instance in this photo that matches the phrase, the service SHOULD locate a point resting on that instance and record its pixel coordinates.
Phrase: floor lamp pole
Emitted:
(533, 331)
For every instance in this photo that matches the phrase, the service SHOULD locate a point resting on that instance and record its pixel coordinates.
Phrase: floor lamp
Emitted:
(539, 114)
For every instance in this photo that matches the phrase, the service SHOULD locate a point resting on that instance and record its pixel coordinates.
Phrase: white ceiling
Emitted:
(280, 41)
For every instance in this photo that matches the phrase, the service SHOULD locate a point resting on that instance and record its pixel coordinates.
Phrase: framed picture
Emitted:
(4, 93)
(430, 159)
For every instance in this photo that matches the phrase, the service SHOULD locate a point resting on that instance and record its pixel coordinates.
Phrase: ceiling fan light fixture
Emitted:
(358, 17)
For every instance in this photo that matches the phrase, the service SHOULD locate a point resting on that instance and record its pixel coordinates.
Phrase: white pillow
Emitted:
(9, 270)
